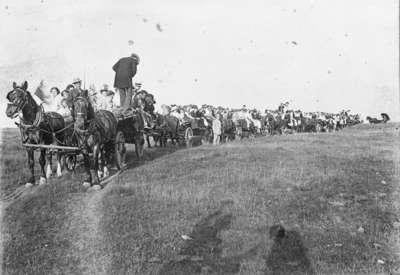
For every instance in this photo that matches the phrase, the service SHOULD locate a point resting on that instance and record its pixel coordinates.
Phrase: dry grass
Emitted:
(323, 187)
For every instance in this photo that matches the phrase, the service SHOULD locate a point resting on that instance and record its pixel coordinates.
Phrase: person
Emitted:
(165, 110)
(77, 90)
(56, 98)
(125, 69)
(50, 100)
(64, 109)
(66, 93)
(217, 129)
(92, 96)
(137, 87)
(106, 101)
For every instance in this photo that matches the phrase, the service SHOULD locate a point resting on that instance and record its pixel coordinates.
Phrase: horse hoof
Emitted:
(86, 184)
(28, 184)
(42, 181)
(106, 173)
(96, 187)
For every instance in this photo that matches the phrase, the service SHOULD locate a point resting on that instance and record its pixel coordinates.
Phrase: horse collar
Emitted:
(38, 118)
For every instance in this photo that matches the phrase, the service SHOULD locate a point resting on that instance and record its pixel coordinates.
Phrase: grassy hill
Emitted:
(336, 194)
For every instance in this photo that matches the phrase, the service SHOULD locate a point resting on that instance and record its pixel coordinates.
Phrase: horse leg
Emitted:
(42, 162)
(95, 164)
(59, 165)
(148, 141)
(105, 160)
(100, 161)
(49, 171)
(88, 178)
(31, 164)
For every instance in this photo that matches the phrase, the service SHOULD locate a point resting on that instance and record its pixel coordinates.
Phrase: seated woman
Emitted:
(65, 111)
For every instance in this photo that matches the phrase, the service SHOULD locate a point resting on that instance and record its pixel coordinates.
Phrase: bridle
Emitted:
(21, 101)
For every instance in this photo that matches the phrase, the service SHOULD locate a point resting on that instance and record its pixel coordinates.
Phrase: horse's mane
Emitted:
(90, 109)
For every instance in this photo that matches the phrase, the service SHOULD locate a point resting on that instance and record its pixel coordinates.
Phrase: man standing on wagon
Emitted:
(125, 69)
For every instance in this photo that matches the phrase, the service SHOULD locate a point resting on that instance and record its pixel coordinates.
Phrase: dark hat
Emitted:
(69, 86)
(136, 57)
(76, 80)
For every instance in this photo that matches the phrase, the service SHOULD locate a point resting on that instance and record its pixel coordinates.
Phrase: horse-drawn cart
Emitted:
(130, 130)
(198, 128)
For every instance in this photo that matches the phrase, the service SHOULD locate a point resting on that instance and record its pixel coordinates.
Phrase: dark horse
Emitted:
(228, 130)
(95, 133)
(36, 127)
(373, 120)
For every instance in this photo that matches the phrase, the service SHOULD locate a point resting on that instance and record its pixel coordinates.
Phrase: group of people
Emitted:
(60, 101)
(256, 121)
(125, 69)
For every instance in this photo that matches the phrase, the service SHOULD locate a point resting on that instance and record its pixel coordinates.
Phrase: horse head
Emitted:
(18, 99)
(80, 113)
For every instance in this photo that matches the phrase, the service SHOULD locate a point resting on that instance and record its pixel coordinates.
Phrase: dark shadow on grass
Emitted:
(203, 251)
(288, 255)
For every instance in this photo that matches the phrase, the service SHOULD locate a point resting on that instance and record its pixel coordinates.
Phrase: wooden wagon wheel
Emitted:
(120, 150)
(139, 146)
(188, 136)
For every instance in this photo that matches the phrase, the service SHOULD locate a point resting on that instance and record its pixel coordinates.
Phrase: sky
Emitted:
(319, 55)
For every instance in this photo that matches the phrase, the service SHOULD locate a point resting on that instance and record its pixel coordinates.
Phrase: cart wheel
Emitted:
(70, 162)
(139, 145)
(120, 150)
(188, 136)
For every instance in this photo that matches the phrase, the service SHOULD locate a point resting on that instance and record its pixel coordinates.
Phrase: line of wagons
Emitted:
(131, 130)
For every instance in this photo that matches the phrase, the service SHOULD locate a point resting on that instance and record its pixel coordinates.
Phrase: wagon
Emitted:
(129, 131)
(195, 128)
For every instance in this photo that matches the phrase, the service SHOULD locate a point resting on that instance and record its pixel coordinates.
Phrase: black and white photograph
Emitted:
(180, 137)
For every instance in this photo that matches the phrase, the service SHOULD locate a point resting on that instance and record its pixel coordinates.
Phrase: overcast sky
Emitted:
(319, 54)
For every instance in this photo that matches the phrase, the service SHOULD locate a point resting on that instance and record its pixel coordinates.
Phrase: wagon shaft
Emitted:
(56, 147)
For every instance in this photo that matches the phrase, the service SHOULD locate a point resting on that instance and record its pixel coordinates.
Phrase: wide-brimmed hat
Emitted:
(76, 80)
(136, 57)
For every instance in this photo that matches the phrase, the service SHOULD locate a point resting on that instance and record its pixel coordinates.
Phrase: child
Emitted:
(217, 129)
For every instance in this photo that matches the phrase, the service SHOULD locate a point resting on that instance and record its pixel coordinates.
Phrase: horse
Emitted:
(36, 127)
(96, 132)
(228, 130)
(171, 125)
(159, 132)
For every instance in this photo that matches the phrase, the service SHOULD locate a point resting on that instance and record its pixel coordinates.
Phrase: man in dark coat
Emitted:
(125, 70)
(77, 90)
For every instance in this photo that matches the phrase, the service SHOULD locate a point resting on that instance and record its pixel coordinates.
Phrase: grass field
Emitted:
(337, 195)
